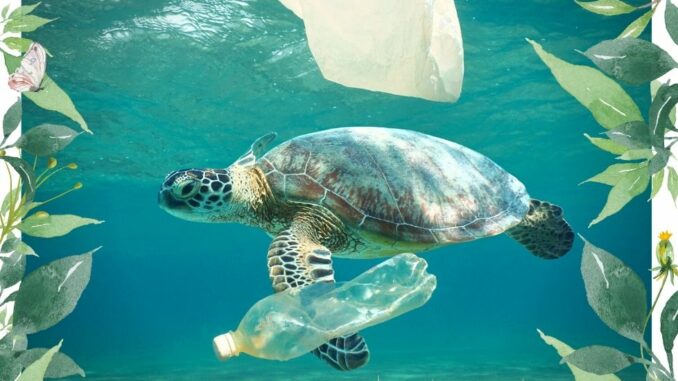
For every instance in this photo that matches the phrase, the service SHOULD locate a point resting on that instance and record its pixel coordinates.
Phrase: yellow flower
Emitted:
(665, 236)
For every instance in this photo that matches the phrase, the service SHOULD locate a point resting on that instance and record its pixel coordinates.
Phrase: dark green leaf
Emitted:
(600, 360)
(61, 365)
(46, 139)
(671, 20)
(609, 104)
(11, 119)
(631, 134)
(631, 60)
(664, 101)
(49, 226)
(669, 325)
(52, 97)
(36, 371)
(636, 28)
(673, 183)
(614, 291)
(25, 171)
(50, 293)
(18, 43)
(24, 24)
(659, 161)
(607, 145)
(606, 7)
(657, 181)
(13, 262)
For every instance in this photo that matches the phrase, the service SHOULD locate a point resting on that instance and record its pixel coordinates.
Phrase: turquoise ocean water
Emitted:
(168, 84)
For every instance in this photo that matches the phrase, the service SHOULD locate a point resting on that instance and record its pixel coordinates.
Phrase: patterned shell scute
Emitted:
(399, 184)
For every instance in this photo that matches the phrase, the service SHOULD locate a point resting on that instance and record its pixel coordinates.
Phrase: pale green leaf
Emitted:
(632, 134)
(614, 173)
(614, 291)
(673, 183)
(23, 24)
(632, 184)
(607, 7)
(609, 104)
(657, 181)
(631, 60)
(50, 293)
(671, 20)
(607, 145)
(637, 154)
(636, 28)
(48, 226)
(52, 97)
(565, 350)
(23, 10)
(36, 371)
(18, 43)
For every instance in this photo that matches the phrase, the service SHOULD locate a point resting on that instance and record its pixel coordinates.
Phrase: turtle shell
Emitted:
(401, 185)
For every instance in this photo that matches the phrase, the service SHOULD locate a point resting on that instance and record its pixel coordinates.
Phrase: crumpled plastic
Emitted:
(403, 47)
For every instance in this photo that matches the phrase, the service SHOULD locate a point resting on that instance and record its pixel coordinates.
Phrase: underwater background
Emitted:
(168, 84)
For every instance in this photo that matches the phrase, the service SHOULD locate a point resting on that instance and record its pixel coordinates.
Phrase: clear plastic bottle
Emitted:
(291, 323)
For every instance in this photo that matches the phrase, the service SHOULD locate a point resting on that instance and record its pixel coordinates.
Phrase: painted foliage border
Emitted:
(664, 210)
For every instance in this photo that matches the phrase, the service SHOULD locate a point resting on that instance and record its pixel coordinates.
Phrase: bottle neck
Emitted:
(227, 345)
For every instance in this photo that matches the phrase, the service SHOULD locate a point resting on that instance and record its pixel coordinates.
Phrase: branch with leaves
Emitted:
(643, 146)
(618, 296)
(37, 301)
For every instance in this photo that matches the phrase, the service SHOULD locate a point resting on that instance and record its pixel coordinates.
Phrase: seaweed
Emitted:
(618, 296)
(36, 301)
(644, 146)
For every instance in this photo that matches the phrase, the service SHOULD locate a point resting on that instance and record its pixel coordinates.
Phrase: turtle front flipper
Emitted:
(544, 231)
(295, 260)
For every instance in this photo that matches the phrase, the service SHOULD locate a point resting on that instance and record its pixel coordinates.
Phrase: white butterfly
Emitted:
(29, 75)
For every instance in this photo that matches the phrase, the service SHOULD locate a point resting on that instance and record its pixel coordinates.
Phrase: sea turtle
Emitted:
(363, 192)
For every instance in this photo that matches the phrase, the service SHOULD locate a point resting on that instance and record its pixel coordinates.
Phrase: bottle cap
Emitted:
(224, 346)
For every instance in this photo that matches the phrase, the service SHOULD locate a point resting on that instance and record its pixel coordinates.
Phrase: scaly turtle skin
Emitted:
(363, 192)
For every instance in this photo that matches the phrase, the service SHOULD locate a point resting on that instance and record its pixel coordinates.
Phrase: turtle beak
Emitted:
(167, 202)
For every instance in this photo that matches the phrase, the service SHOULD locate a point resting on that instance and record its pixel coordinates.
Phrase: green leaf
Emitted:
(600, 360)
(607, 145)
(14, 264)
(18, 43)
(23, 10)
(46, 139)
(669, 325)
(610, 105)
(671, 20)
(614, 291)
(637, 154)
(14, 195)
(11, 119)
(606, 7)
(636, 28)
(631, 134)
(664, 101)
(631, 184)
(631, 60)
(48, 226)
(565, 350)
(60, 367)
(673, 183)
(36, 371)
(50, 293)
(11, 62)
(52, 97)
(24, 24)
(659, 160)
(25, 171)
(4, 11)
(615, 173)
(657, 181)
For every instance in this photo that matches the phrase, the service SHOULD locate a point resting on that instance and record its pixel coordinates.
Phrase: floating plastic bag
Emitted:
(403, 47)
(294, 322)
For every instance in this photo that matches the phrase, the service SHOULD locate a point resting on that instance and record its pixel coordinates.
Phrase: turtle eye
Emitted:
(185, 189)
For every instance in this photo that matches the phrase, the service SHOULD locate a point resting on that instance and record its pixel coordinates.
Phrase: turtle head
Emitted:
(200, 195)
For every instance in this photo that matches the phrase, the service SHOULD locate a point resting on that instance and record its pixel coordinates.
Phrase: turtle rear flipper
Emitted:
(543, 231)
(295, 260)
